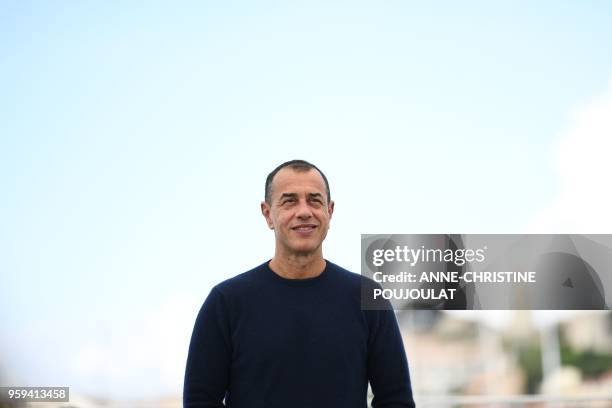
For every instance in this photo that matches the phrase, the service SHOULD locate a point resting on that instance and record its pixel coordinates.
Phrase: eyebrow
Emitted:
(288, 195)
(294, 195)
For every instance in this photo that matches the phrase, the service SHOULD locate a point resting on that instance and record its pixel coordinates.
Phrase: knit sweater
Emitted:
(261, 340)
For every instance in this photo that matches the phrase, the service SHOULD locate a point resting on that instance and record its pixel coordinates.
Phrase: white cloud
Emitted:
(583, 166)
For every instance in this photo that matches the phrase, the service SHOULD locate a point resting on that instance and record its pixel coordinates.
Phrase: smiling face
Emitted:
(298, 212)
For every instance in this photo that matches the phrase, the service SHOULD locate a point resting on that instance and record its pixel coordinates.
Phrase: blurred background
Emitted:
(135, 139)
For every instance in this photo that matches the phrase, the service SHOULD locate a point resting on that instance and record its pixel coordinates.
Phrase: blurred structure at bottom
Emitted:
(456, 360)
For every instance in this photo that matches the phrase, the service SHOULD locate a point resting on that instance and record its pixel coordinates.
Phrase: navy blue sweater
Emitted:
(261, 340)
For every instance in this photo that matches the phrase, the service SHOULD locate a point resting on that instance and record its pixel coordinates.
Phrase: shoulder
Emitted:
(355, 285)
(242, 282)
(244, 285)
(351, 282)
(350, 278)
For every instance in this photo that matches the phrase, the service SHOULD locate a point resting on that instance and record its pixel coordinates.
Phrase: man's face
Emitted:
(298, 212)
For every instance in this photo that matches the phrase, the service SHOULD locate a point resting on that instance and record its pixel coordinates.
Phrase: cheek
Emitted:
(283, 220)
(323, 216)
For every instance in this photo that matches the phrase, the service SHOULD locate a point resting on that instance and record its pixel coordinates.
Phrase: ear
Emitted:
(330, 208)
(265, 211)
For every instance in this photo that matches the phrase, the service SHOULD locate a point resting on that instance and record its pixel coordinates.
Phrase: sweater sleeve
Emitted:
(387, 365)
(208, 362)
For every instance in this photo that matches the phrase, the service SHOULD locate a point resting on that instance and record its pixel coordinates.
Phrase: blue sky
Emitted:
(135, 139)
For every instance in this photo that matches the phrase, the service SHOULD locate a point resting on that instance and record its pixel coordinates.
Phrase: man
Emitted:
(291, 333)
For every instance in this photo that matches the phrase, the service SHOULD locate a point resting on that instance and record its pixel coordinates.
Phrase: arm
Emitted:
(208, 362)
(387, 365)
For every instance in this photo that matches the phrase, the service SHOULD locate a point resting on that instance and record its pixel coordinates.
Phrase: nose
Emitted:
(303, 211)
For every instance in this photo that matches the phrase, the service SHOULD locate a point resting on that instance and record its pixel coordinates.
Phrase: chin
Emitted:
(304, 249)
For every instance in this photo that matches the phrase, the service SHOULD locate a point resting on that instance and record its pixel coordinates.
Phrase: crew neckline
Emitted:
(297, 282)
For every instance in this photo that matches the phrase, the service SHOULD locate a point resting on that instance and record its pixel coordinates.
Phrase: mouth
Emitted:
(304, 227)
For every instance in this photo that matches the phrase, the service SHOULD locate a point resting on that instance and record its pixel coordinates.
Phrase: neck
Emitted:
(298, 266)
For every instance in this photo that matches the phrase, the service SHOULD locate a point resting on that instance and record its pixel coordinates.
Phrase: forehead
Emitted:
(288, 180)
